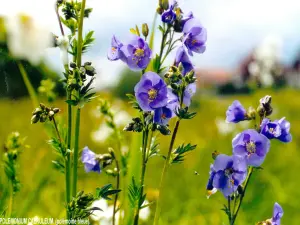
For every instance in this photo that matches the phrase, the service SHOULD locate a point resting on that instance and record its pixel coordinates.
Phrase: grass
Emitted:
(185, 203)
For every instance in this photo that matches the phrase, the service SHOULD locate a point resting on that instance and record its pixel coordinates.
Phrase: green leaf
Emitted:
(106, 191)
(134, 193)
(179, 153)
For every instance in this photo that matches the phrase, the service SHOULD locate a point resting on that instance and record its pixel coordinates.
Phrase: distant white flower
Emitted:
(121, 118)
(102, 134)
(27, 39)
(105, 217)
(63, 43)
(224, 128)
(145, 212)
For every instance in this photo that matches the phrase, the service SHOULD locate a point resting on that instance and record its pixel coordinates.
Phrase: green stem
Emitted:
(76, 152)
(162, 47)
(79, 37)
(28, 85)
(229, 209)
(242, 197)
(142, 179)
(117, 195)
(11, 202)
(164, 173)
(56, 129)
(68, 157)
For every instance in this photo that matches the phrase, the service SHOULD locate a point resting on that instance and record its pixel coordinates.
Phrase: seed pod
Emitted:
(35, 119)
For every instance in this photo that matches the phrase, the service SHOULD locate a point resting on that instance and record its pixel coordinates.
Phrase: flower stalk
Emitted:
(28, 85)
(142, 179)
(77, 126)
(164, 173)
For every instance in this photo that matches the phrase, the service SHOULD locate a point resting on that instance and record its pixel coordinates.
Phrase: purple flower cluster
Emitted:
(194, 34)
(250, 146)
(136, 53)
(153, 94)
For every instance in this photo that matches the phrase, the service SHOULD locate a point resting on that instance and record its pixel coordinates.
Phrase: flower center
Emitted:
(113, 49)
(139, 52)
(194, 41)
(228, 172)
(152, 93)
(251, 147)
(163, 116)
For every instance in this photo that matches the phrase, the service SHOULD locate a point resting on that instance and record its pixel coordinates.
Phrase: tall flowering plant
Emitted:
(231, 174)
(164, 92)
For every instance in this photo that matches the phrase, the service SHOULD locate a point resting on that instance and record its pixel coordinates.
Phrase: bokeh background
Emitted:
(252, 50)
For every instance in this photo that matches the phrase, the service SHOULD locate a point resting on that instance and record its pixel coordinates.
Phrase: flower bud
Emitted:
(51, 114)
(87, 63)
(34, 119)
(37, 111)
(145, 29)
(164, 130)
(56, 110)
(73, 65)
(90, 70)
(165, 4)
(215, 154)
(43, 107)
(43, 118)
(159, 10)
(251, 114)
(128, 127)
(112, 153)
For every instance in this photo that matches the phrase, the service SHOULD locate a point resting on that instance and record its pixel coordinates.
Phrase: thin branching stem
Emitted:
(235, 214)
(30, 89)
(117, 187)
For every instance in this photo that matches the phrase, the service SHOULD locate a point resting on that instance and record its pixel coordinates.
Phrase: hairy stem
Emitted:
(164, 173)
(142, 179)
(117, 195)
(76, 153)
(56, 129)
(235, 214)
(162, 47)
(79, 37)
(28, 85)
(11, 202)
(229, 209)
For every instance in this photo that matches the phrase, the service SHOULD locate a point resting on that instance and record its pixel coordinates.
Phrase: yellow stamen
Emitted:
(152, 93)
(251, 147)
(139, 52)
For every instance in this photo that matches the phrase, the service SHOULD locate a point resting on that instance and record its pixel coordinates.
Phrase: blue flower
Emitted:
(179, 24)
(235, 112)
(251, 145)
(114, 52)
(89, 160)
(183, 58)
(277, 214)
(136, 53)
(189, 92)
(151, 92)
(229, 173)
(279, 129)
(164, 114)
(195, 36)
(169, 16)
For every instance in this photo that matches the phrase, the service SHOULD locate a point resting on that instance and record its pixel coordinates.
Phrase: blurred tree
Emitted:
(128, 79)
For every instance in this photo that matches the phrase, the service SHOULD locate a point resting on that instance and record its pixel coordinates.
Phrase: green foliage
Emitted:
(79, 207)
(179, 153)
(106, 191)
(13, 147)
(134, 194)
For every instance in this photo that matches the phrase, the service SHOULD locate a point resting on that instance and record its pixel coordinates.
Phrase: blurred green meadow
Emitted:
(185, 203)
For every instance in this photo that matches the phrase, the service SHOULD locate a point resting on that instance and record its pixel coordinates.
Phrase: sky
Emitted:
(234, 28)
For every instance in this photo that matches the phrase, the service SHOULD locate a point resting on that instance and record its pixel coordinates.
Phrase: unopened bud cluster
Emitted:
(77, 76)
(43, 113)
(80, 204)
